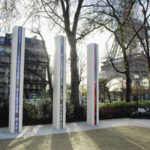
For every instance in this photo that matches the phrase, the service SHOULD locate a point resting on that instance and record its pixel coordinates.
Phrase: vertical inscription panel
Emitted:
(92, 85)
(59, 98)
(61, 81)
(18, 67)
(16, 80)
(95, 84)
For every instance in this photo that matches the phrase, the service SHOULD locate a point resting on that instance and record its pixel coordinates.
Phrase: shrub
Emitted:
(42, 114)
(37, 114)
(79, 115)
(120, 109)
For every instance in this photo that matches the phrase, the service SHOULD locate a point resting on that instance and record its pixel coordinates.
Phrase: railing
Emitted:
(33, 81)
(3, 83)
(5, 61)
(36, 53)
(35, 68)
(2, 73)
(34, 89)
(35, 60)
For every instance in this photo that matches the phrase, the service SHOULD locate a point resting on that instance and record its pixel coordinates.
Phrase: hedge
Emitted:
(120, 109)
(42, 114)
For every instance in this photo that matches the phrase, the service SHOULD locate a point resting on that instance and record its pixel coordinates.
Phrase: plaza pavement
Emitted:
(39, 130)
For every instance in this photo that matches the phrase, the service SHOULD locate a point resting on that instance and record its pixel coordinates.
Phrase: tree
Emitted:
(144, 35)
(67, 14)
(33, 69)
(9, 13)
(104, 89)
(116, 17)
(37, 31)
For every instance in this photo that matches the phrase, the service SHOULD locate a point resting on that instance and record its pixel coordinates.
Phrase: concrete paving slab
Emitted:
(38, 130)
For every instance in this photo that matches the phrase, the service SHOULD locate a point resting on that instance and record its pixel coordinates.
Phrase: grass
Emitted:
(118, 138)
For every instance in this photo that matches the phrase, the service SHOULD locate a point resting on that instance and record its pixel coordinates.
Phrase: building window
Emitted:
(31, 77)
(29, 49)
(34, 67)
(1, 49)
(31, 86)
(8, 50)
(28, 86)
(1, 70)
(34, 87)
(2, 40)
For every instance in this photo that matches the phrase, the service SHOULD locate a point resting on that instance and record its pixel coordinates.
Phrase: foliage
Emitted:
(9, 13)
(42, 114)
(117, 16)
(79, 115)
(37, 114)
(120, 109)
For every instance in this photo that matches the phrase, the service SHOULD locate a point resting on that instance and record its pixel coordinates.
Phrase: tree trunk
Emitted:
(47, 67)
(121, 95)
(114, 96)
(127, 73)
(128, 84)
(148, 59)
(74, 72)
(109, 97)
(104, 98)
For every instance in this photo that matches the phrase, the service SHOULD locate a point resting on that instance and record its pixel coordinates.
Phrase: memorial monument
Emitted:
(16, 80)
(59, 91)
(92, 84)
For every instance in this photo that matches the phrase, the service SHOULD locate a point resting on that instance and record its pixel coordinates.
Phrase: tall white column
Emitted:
(92, 84)
(16, 80)
(59, 92)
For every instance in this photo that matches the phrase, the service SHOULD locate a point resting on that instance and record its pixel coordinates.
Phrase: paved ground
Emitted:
(39, 130)
(116, 138)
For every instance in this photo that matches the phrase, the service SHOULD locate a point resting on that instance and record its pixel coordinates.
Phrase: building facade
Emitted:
(35, 68)
(138, 66)
(114, 82)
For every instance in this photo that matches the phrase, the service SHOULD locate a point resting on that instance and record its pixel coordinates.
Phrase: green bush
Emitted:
(42, 114)
(78, 115)
(120, 109)
(37, 114)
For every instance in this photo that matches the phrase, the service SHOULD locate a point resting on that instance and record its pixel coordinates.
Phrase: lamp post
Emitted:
(136, 77)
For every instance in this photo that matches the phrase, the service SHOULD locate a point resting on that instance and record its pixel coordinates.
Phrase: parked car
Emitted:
(141, 113)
